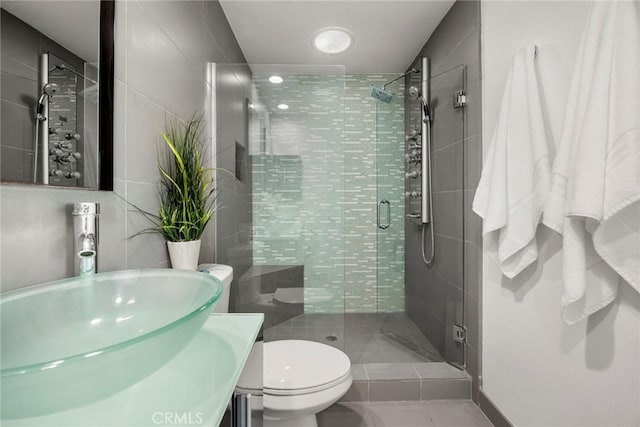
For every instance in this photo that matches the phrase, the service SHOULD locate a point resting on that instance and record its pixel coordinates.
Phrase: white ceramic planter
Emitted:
(184, 255)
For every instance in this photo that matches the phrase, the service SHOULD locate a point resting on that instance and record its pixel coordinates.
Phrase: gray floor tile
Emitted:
(390, 371)
(400, 414)
(346, 415)
(358, 392)
(365, 337)
(393, 390)
(446, 389)
(359, 372)
(443, 413)
(431, 370)
(456, 413)
(356, 358)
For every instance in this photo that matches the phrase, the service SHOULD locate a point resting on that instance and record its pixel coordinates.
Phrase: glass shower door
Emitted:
(290, 176)
(426, 302)
(390, 179)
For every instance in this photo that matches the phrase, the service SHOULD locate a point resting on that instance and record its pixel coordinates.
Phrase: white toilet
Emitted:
(301, 378)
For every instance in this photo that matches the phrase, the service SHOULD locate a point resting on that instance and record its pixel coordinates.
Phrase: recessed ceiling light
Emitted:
(283, 106)
(332, 40)
(276, 79)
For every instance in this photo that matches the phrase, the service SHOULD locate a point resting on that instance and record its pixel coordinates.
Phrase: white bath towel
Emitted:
(595, 197)
(516, 174)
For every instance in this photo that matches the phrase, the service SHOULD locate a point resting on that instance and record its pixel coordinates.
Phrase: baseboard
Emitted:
(496, 417)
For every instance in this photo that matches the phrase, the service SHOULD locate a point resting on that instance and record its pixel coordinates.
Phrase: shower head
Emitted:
(381, 95)
(414, 93)
(48, 90)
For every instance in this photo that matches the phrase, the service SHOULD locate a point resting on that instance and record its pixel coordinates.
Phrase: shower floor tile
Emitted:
(404, 414)
(364, 337)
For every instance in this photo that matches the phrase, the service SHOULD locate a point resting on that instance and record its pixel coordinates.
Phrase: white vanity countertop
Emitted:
(193, 388)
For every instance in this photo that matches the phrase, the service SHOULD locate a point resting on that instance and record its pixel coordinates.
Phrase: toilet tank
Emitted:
(224, 273)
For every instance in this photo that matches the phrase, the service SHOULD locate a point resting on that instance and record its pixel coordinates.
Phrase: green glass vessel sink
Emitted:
(75, 341)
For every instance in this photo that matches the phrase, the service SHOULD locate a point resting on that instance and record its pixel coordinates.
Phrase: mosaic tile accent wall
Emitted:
(298, 185)
(315, 191)
(374, 170)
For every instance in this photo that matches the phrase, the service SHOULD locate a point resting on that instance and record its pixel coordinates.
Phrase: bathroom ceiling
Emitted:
(388, 34)
(73, 24)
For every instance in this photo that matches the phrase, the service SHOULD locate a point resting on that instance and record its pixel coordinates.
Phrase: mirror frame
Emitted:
(106, 91)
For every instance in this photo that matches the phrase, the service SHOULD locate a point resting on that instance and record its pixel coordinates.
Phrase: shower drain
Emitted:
(331, 338)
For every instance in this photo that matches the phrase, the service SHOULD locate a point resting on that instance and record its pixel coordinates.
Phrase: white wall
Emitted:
(537, 370)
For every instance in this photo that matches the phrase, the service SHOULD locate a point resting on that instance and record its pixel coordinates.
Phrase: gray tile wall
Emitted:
(235, 216)
(430, 294)
(162, 51)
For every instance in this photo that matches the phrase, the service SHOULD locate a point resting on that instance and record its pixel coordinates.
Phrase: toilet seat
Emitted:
(298, 391)
(297, 367)
(294, 367)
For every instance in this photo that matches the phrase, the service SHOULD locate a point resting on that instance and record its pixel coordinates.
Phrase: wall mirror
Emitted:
(57, 93)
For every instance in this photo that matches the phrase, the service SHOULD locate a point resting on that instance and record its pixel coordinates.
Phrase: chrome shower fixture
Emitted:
(414, 93)
(413, 70)
(426, 190)
(48, 90)
(382, 94)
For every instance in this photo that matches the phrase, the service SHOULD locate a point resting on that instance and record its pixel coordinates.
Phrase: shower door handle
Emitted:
(388, 206)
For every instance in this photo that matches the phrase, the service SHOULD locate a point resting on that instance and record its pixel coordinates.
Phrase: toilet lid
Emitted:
(298, 367)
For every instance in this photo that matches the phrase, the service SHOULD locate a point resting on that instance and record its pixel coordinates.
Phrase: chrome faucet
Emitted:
(85, 232)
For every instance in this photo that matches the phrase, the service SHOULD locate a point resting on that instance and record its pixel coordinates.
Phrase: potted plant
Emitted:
(186, 193)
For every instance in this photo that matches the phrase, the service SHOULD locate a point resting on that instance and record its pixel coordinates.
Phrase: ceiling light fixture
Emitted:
(283, 106)
(276, 79)
(333, 40)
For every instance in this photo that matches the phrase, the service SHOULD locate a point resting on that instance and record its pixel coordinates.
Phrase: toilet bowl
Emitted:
(300, 378)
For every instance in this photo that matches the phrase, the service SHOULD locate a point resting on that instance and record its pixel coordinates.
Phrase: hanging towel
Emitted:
(595, 195)
(515, 178)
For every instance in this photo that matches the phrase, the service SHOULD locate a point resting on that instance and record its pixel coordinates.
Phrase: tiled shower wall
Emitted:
(455, 41)
(315, 193)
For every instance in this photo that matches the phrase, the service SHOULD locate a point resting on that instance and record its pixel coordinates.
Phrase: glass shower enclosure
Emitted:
(318, 195)
(430, 324)
(288, 181)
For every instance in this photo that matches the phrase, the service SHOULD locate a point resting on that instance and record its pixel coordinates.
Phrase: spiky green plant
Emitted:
(187, 201)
